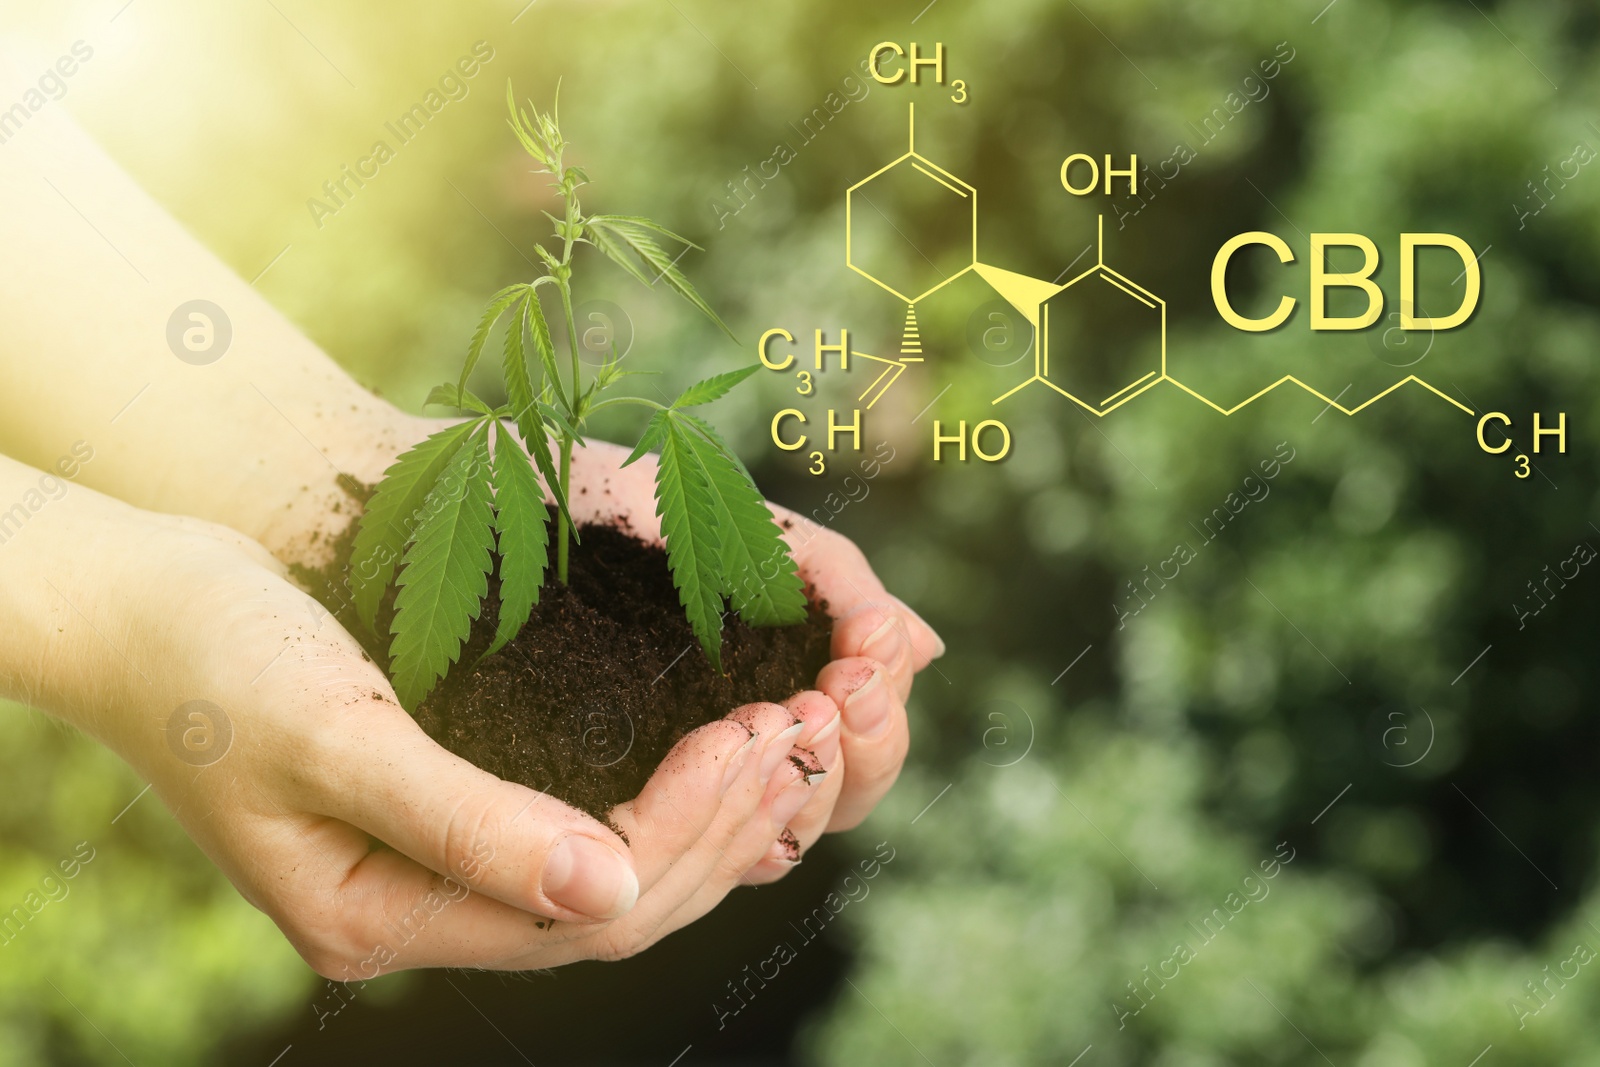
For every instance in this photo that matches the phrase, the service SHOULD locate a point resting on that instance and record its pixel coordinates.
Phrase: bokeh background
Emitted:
(1349, 679)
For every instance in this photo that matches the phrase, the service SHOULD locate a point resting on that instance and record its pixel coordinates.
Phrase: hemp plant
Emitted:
(448, 507)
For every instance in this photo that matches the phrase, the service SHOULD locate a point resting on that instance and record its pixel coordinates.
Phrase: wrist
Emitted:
(308, 506)
(71, 578)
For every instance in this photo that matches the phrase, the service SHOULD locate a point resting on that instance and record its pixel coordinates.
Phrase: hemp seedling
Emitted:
(446, 507)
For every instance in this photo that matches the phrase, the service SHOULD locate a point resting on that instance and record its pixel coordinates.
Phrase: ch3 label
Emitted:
(787, 432)
(1502, 422)
(892, 63)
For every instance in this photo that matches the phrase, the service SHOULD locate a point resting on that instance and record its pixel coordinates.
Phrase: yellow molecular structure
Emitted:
(887, 215)
(1099, 386)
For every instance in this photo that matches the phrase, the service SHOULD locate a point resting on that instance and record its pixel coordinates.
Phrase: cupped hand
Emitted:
(281, 749)
(879, 644)
(857, 712)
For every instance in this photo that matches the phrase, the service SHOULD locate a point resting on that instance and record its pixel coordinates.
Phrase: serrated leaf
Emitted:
(636, 237)
(514, 365)
(386, 525)
(539, 448)
(445, 577)
(447, 395)
(714, 388)
(542, 343)
(480, 336)
(616, 250)
(715, 438)
(654, 431)
(557, 419)
(451, 395)
(683, 500)
(522, 538)
(758, 574)
(640, 222)
(523, 127)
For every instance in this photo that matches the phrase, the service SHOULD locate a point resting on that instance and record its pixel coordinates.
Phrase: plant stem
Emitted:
(564, 285)
(643, 402)
(563, 522)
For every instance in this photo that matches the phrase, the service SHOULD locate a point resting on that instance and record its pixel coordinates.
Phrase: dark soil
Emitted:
(606, 677)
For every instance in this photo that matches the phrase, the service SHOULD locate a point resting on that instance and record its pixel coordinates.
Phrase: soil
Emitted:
(586, 702)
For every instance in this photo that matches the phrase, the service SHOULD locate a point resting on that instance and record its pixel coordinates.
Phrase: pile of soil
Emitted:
(605, 678)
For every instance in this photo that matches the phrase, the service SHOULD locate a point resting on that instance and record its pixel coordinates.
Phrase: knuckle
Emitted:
(812, 704)
(474, 824)
(617, 946)
(713, 737)
(330, 963)
(729, 868)
(326, 937)
(328, 748)
(879, 775)
(760, 715)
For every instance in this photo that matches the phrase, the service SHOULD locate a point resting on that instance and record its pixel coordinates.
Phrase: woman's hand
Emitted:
(879, 643)
(259, 435)
(281, 749)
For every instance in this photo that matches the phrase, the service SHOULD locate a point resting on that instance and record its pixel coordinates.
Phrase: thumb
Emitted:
(381, 773)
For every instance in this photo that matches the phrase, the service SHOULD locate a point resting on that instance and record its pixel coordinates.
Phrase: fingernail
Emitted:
(737, 761)
(880, 637)
(785, 851)
(868, 708)
(826, 742)
(900, 663)
(938, 642)
(778, 748)
(590, 878)
(787, 804)
(809, 765)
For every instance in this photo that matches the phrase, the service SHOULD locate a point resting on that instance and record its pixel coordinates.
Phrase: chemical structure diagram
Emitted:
(1033, 298)
(916, 180)
(911, 229)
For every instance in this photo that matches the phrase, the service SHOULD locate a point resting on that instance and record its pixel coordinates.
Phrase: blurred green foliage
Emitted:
(1319, 642)
(138, 947)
